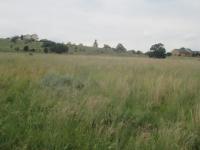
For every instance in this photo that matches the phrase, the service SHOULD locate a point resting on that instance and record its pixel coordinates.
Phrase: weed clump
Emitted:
(56, 81)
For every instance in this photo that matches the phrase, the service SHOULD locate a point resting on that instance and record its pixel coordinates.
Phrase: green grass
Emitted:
(7, 46)
(68, 102)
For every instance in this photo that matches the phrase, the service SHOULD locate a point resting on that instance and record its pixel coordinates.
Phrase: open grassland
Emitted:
(70, 102)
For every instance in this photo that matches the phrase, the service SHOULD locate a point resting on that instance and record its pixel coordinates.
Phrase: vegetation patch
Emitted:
(56, 81)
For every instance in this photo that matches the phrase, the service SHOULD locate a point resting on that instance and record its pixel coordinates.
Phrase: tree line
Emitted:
(156, 51)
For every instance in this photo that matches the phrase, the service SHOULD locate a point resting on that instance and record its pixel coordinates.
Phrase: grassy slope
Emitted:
(84, 102)
(8, 46)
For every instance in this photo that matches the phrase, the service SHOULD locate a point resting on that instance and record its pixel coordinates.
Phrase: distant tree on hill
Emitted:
(54, 47)
(26, 48)
(14, 39)
(17, 49)
(47, 43)
(139, 52)
(32, 50)
(106, 46)
(157, 51)
(132, 51)
(120, 48)
(46, 50)
(169, 54)
(95, 44)
(196, 54)
(59, 48)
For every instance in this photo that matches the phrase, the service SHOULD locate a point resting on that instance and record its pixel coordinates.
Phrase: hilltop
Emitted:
(33, 44)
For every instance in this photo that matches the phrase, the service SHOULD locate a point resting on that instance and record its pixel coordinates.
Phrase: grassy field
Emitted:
(67, 102)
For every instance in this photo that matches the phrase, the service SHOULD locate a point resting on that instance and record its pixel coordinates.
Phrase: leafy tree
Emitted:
(14, 39)
(195, 54)
(47, 43)
(50, 46)
(106, 46)
(120, 48)
(26, 48)
(32, 50)
(17, 49)
(139, 52)
(157, 51)
(46, 50)
(169, 54)
(132, 51)
(59, 48)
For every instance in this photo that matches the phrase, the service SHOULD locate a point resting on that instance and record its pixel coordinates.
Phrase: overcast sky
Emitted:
(135, 23)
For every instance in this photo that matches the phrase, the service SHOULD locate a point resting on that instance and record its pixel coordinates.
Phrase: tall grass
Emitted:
(92, 102)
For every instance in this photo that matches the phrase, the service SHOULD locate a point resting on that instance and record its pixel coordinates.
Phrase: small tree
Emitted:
(46, 50)
(157, 51)
(32, 50)
(14, 39)
(26, 48)
(106, 46)
(139, 52)
(120, 48)
(17, 49)
(53, 47)
(169, 54)
(132, 51)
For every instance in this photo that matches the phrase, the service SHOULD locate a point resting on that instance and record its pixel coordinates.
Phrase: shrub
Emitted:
(120, 48)
(14, 39)
(54, 47)
(26, 48)
(59, 82)
(169, 54)
(17, 49)
(46, 50)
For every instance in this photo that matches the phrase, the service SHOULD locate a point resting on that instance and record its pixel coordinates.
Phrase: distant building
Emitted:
(182, 52)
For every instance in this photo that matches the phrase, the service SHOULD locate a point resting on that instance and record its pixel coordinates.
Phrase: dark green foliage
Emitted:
(32, 50)
(196, 54)
(46, 50)
(14, 39)
(157, 51)
(169, 54)
(50, 46)
(26, 48)
(17, 49)
(139, 52)
(106, 46)
(133, 51)
(120, 48)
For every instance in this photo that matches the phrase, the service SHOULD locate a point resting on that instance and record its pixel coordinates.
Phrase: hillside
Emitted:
(7, 46)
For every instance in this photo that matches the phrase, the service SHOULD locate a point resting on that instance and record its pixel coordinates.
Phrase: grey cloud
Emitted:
(136, 23)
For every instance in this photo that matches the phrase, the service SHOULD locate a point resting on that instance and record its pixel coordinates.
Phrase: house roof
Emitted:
(183, 50)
